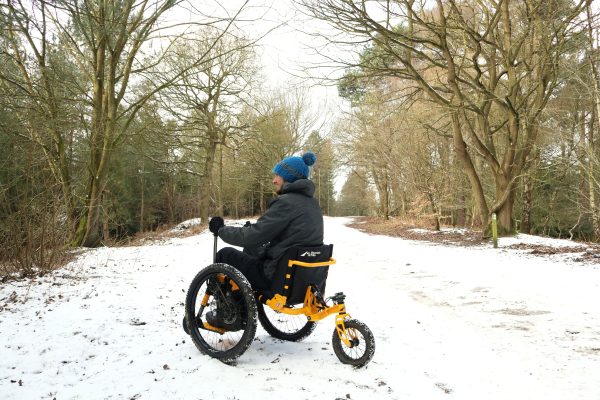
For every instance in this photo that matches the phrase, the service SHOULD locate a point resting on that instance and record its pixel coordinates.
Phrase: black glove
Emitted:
(247, 224)
(215, 224)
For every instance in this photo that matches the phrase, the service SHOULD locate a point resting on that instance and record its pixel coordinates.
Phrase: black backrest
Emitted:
(302, 277)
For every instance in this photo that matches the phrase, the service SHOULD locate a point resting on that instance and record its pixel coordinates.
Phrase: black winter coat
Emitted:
(293, 218)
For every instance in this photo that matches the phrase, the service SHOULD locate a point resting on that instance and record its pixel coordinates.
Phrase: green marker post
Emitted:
(494, 230)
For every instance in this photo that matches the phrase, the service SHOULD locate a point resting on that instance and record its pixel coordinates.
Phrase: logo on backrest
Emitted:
(310, 254)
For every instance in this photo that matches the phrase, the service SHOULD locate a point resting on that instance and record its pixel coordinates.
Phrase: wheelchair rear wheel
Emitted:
(362, 344)
(282, 326)
(222, 290)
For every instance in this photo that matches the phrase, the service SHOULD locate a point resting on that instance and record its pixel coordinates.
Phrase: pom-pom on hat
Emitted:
(294, 168)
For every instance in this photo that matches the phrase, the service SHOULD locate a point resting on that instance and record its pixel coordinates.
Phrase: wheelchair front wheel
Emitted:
(362, 344)
(224, 286)
(282, 326)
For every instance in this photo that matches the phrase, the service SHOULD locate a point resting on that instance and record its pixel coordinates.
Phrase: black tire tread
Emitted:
(369, 339)
(230, 355)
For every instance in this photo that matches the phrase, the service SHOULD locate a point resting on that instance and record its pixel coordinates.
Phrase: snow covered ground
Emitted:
(449, 323)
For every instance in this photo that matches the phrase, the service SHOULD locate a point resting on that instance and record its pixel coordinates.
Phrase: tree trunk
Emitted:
(381, 183)
(220, 209)
(593, 206)
(461, 213)
(592, 163)
(105, 228)
(592, 160)
(92, 236)
(460, 147)
(236, 204)
(170, 193)
(526, 222)
(262, 199)
(505, 217)
(206, 183)
(434, 208)
(505, 202)
(88, 232)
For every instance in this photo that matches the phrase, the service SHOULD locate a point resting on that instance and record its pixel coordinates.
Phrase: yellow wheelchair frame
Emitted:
(353, 342)
(313, 308)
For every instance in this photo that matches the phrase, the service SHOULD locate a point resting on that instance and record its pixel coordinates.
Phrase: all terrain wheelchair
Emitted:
(288, 311)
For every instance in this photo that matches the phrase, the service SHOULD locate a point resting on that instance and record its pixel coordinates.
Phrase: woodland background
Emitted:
(118, 118)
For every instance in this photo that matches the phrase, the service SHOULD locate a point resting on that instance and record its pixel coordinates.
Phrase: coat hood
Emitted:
(301, 186)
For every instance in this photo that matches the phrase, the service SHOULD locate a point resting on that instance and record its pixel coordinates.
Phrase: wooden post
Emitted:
(495, 230)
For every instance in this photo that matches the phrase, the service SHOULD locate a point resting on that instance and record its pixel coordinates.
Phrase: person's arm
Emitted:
(268, 226)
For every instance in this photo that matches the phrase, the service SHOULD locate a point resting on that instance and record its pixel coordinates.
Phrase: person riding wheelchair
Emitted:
(279, 277)
(289, 310)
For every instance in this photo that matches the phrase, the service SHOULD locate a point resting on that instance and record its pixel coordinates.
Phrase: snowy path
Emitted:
(449, 323)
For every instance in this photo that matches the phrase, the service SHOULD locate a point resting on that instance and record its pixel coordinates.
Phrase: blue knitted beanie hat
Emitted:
(293, 168)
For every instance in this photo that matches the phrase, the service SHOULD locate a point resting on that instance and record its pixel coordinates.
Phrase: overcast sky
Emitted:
(289, 57)
(287, 50)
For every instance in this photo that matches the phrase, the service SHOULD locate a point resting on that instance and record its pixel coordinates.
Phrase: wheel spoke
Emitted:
(362, 344)
(284, 326)
(211, 289)
(287, 323)
(220, 342)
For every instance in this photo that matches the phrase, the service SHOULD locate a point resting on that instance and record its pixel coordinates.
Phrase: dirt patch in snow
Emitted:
(162, 234)
(398, 228)
(586, 252)
(547, 250)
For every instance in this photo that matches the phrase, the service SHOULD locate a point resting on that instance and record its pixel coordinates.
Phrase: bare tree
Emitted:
(281, 123)
(44, 88)
(207, 101)
(402, 149)
(115, 45)
(491, 65)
